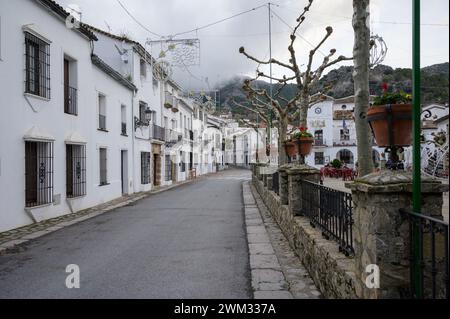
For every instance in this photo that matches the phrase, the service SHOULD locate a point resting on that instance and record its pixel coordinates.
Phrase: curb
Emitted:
(7, 246)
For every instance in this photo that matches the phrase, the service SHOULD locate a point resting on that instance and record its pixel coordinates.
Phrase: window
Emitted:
(38, 173)
(318, 136)
(101, 112)
(123, 110)
(103, 166)
(145, 168)
(75, 171)
(37, 66)
(142, 114)
(319, 158)
(1, 38)
(70, 92)
(168, 167)
(345, 135)
(143, 68)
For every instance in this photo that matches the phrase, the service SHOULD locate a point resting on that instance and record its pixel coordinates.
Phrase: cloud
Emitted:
(220, 59)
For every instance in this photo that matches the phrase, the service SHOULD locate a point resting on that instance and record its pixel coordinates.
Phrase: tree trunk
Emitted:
(282, 135)
(361, 54)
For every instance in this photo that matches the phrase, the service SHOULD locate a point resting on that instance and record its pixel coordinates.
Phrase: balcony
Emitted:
(168, 100)
(158, 133)
(345, 143)
(320, 143)
(70, 100)
(175, 107)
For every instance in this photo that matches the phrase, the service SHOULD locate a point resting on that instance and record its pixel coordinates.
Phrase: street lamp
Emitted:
(147, 118)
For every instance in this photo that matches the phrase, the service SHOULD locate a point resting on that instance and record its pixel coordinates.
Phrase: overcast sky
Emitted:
(220, 59)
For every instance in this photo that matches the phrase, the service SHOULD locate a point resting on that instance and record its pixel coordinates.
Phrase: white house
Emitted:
(332, 124)
(61, 149)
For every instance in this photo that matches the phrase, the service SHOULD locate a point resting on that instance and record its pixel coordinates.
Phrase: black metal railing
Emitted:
(102, 122)
(331, 211)
(159, 133)
(276, 183)
(428, 256)
(70, 100)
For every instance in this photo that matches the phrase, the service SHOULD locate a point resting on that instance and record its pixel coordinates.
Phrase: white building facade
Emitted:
(54, 159)
(332, 124)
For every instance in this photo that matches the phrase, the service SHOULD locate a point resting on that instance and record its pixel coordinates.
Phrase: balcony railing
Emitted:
(101, 122)
(175, 107)
(158, 133)
(319, 142)
(70, 100)
(168, 100)
(345, 143)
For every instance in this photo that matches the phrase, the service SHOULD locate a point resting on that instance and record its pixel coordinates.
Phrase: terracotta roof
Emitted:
(113, 73)
(63, 14)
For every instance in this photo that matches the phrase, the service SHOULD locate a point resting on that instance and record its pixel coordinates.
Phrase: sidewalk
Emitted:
(277, 273)
(12, 238)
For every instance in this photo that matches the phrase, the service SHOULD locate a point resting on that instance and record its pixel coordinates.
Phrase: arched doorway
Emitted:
(346, 157)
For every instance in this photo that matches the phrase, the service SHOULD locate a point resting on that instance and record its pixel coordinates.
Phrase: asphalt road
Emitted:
(188, 242)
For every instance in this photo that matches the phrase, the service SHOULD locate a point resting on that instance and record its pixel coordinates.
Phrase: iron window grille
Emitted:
(168, 168)
(37, 66)
(142, 114)
(145, 168)
(103, 166)
(38, 173)
(75, 171)
(70, 100)
(319, 158)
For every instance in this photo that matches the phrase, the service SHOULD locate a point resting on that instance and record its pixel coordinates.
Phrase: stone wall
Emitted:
(332, 272)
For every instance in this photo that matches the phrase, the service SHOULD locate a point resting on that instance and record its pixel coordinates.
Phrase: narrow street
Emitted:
(189, 242)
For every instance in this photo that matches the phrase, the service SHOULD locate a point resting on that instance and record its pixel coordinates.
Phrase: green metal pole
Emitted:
(417, 110)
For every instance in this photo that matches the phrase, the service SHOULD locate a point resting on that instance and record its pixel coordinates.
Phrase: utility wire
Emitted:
(136, 20)
(219, 21)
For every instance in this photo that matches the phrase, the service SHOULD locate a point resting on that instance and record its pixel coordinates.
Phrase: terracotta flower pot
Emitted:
(401, 124)
(291, 148)
(305, 145)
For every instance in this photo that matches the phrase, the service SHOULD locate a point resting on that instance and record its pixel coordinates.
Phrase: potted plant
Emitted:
(304, 140)
(291, 148)
(390, 118)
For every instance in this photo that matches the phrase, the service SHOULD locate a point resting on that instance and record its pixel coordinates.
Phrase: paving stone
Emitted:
(267, 275)
(261, 249)
(258, 238)
(264, 261)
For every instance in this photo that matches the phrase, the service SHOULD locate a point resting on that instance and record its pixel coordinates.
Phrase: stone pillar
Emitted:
(381, 232)
(283, 183)
(295, 175)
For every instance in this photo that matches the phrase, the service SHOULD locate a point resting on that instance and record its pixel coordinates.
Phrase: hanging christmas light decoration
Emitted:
(378, 50)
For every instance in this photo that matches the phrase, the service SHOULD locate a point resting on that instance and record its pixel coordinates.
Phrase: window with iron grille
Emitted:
(319, 158)
(103, 166)
(75, 171)
(37, 66)
(345, 135)
(168, 168)
(38, 173)
(145, 168)
(142, 116)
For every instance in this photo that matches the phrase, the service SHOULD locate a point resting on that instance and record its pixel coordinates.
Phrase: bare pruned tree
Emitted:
(288, 111)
